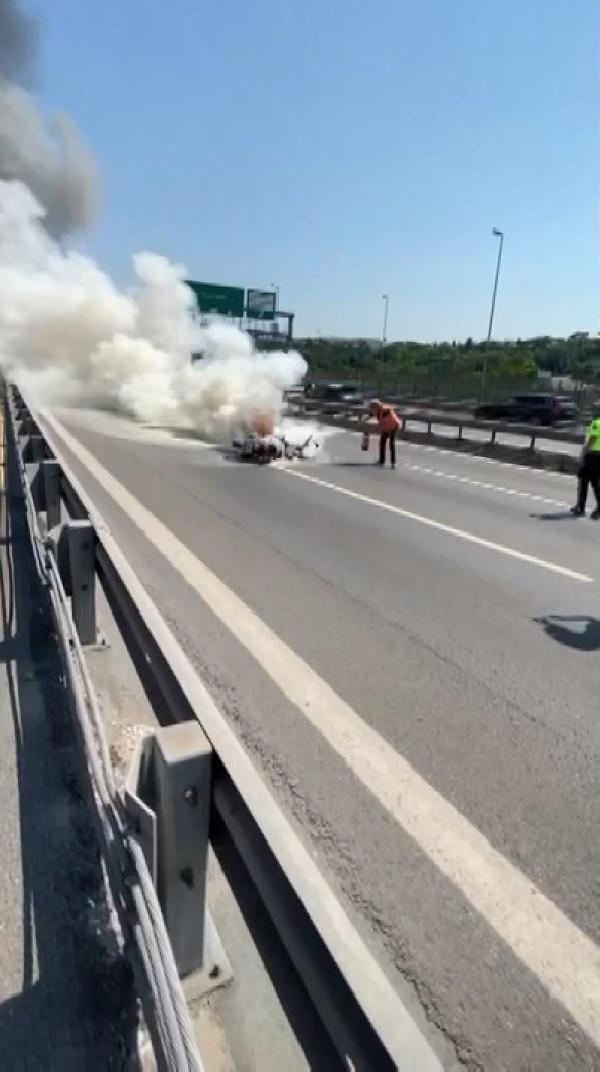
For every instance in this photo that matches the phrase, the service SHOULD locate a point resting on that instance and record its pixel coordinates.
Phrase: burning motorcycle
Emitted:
(263, 443)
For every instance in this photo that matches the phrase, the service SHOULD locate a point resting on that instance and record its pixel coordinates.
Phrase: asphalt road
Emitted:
(443, 623)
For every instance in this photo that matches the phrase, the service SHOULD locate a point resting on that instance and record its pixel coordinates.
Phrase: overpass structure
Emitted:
(255, 311)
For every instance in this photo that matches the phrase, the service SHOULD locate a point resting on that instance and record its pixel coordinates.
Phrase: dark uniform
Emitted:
(589, 472)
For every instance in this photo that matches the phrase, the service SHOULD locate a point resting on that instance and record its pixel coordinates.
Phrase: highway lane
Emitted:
(444, 648)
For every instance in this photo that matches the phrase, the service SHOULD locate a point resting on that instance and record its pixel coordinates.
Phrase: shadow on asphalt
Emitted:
(356, 465)
(562, 515)
(303, 1019)
(74, 1006)
(564, 629)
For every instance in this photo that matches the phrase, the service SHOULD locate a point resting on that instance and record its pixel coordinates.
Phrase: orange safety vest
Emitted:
(388, 419)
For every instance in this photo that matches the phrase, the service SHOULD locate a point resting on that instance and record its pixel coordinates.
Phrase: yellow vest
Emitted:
(593, 435)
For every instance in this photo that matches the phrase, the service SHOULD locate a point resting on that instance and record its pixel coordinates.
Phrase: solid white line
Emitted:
(460, 534)
(564, 959)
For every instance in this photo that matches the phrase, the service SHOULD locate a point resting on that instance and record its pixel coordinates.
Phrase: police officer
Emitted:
(589, 472)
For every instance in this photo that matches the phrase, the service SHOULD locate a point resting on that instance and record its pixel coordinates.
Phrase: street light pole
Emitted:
(500, 235)
(386, 299)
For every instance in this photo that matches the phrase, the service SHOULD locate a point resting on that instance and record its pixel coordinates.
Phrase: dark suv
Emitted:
(542, 409)
(333, 392)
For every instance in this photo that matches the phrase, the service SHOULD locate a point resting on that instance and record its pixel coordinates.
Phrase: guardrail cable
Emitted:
(132, 888)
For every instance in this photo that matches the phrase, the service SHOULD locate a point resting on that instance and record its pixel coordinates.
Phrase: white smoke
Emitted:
(51, 159)
(69, 336)
(18, 41)
(54, 163)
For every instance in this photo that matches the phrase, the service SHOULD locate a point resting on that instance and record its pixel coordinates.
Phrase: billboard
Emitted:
(212, 298)
(260, 305)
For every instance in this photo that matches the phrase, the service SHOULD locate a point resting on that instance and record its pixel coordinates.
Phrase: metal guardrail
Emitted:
(133, 894)
(342, 413)
(360, 1010)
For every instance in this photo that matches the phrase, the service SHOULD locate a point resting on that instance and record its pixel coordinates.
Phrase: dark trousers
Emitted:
(589, 474)
(387, 437)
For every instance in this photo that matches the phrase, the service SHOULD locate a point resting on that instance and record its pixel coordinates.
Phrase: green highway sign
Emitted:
(216, 299)
(260, 304)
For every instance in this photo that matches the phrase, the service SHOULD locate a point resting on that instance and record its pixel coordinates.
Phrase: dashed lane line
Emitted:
(464, 456)
(485, 485)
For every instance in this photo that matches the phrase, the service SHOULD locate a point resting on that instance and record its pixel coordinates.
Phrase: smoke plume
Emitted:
(69, 336)
(18, 41)
(67, 333)
(50, 158)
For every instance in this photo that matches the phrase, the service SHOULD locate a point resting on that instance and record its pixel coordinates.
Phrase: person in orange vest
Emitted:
(389, 422)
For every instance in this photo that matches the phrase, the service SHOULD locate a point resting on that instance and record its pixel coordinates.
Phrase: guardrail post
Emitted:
(51, 478)
(82, 575)
(182, 769)
(532, 441)
(33, 447)
(493, 439)
(27, 425)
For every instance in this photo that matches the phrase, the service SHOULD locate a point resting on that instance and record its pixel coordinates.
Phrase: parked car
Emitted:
(333, 392)
(568, 408)
(541, 409)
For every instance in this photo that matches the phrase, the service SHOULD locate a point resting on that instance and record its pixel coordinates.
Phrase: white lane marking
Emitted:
(450, 530)
(564, 959)
(480, 484)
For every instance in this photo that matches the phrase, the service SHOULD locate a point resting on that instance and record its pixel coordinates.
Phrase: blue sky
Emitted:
(343, 148)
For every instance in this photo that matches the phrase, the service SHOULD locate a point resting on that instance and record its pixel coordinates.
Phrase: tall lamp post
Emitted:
(386, 300)
(500, 235)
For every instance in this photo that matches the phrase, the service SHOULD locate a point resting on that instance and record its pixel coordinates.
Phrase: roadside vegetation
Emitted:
(454, 369)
